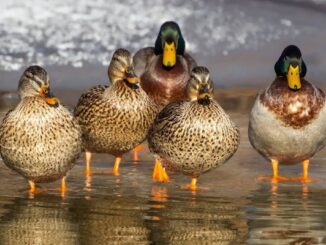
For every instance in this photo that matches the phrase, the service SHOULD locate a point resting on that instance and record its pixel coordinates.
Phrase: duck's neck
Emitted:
(119, 88)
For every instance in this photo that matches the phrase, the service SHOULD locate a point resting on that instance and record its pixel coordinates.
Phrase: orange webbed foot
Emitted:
(304, 179)
(274, 179)
(159, 173)
(193, 186)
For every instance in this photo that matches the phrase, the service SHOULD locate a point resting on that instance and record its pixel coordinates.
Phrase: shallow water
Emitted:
(232, 207)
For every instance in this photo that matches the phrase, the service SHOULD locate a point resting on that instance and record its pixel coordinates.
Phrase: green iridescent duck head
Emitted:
(291, 65)
(169, 43)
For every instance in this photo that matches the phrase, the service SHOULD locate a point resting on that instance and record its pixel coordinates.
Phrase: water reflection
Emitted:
(111, 219)
(43, 220)
(190, 218)
(287, 214)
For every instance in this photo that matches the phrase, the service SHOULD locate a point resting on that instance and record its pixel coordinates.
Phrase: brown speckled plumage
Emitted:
(114, 119)
(294, 108)
(161, 84)
(39, 141)
(192, 136)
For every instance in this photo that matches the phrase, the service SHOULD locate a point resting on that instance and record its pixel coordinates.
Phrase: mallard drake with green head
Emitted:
(195, 135)
(39, 139)
(116, 118)
(288, 120)
(164, 70)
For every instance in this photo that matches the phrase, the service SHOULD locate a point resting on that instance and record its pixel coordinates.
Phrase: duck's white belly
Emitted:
(275, 140)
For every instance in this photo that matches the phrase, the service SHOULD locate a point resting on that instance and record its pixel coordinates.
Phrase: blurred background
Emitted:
(239, 41)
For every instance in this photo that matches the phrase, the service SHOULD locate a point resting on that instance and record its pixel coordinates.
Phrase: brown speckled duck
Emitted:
(164, 70)
(114, 119)
(195, 135)
(288, 120)
(39, 139)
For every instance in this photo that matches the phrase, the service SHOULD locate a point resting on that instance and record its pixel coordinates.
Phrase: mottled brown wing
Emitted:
(3, 121)
(167, 116)
(141, 59)
(88, 98)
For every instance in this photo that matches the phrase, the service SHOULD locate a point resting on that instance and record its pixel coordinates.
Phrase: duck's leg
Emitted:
(276, 177)
(159, 173)
(137, 149)
(88, 156)
(275, 169)
(305, 170)
(193, 184)
(63, 186)
(32, 187)
(116, 165)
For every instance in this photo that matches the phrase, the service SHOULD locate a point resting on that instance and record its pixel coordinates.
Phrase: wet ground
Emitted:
(234, 208)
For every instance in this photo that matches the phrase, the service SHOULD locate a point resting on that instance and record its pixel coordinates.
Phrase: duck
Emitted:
(195, 135)
(287, 122)
(39, 139)
(116, 118)
(164, 69)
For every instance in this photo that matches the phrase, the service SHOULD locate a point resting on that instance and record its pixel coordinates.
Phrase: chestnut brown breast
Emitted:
(166, 85)
(294, 108)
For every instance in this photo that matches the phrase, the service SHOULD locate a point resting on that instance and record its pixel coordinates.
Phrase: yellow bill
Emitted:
(48, 96)
(169, 54)
(132, 80)
(131, 76)
(293, 77)
(202, 96)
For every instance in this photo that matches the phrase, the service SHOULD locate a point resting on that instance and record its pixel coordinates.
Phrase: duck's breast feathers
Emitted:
(294, 108)
(166, 85)
(36, 109)
(35, 116)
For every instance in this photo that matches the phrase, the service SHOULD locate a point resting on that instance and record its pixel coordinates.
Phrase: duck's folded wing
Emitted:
(88, 98)
(141, 59)
(169, 115)
(190, 61)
